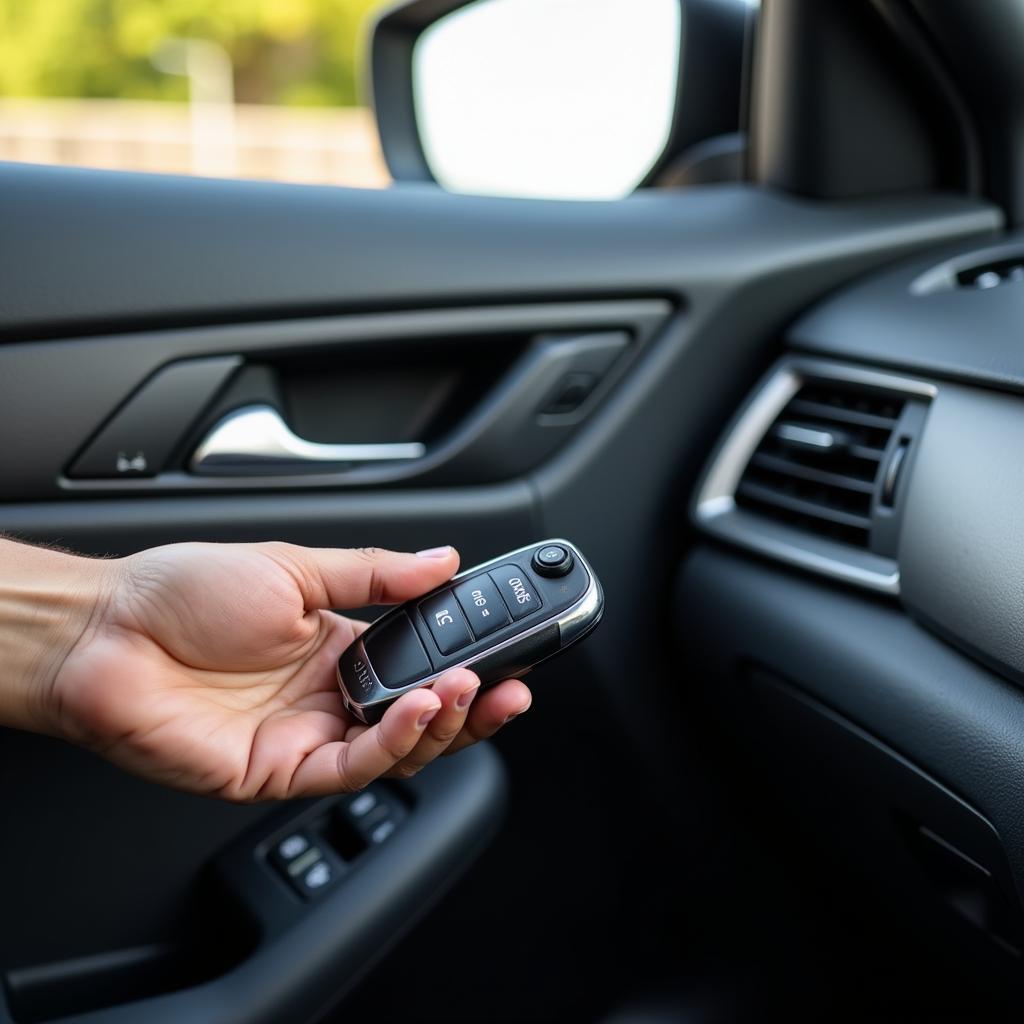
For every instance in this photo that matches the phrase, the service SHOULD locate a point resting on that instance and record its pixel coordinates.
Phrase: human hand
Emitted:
(211, 668)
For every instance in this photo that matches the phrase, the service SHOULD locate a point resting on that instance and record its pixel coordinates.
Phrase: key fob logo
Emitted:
(363, 678)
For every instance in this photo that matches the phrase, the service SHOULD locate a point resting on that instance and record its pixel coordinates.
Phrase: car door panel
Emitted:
(703, 281)
(181, 250)
(274, 957)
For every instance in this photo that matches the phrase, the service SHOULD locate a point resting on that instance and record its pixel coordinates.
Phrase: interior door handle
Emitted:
(256, 440)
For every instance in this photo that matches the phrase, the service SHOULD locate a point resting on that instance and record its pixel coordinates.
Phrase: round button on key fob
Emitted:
(499, 619)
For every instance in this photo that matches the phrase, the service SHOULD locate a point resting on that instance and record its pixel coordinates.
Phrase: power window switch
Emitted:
(314, 879)
(363, 805)
(375, 814)
(381, 830)
(288, 850)
(379, 825)
(302, 864)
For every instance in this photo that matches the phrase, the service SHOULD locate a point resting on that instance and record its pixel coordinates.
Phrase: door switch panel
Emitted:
(499, 619)
(303, 862)
(374, 814)
(312, 856)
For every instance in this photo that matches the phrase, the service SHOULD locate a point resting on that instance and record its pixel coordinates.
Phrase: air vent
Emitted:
(819, 463)
(992, 274)
(813, 469)
(978, 271)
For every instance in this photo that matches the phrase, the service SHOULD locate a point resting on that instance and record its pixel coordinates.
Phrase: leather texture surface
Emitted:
(961, 557)
(869, 661)
(960, 333)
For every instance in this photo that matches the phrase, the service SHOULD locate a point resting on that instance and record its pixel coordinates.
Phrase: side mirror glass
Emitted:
(547, 98)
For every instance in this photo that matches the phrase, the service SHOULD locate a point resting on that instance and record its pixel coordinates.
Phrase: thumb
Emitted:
(354, 577)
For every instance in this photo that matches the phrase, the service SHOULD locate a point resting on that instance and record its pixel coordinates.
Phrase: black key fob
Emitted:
(498, 619)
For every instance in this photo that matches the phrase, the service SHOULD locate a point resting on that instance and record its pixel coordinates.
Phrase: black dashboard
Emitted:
(871, 652)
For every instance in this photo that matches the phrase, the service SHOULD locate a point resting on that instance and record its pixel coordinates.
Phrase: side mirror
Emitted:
(578, 99)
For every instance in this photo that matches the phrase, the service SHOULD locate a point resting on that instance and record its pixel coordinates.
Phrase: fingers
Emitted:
(491, 710)
(352, 578)
(418, 727)
(351, 764)
(455, 690)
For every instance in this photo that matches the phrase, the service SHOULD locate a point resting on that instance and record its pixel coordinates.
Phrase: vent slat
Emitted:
(821, 476)
(864, 452)
(770, 496)
(820, 411)
(824, 489)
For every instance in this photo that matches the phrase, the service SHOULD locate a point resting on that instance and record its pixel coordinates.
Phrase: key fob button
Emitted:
(395, 652)
(445, 621)
(518, 591)
(483, 605)
(553, 561)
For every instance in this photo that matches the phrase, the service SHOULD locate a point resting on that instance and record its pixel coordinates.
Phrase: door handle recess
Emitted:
(256, 440)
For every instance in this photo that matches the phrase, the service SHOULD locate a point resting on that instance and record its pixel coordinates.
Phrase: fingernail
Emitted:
(442, 552)
(516, 714)
(466, 697)
(425, 718)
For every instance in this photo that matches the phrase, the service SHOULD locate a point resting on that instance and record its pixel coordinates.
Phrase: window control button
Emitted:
(367, 811)
(483, 605)
(290, 847)
(360, 806)
(445, 622)
(303, 862)
(296, 848)
(315, 878)
(517, 590)
(382, 830)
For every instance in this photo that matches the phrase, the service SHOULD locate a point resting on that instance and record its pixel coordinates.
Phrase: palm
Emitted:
(212, 669)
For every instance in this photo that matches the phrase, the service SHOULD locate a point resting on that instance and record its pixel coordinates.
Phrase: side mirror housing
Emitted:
(582, 99)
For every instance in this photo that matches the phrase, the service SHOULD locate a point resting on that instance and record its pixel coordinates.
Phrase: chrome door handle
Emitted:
(256, 440)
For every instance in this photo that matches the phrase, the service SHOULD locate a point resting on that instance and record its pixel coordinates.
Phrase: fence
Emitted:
(313, 145)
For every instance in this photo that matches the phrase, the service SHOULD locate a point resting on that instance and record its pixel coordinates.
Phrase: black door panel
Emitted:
(478, 518)
(180, 251)
(274, 955)
(702, 282)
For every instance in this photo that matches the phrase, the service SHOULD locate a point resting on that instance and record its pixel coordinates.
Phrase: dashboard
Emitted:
(858, 609)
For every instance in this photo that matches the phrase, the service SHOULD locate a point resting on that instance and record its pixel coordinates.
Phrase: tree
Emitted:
(283, 51)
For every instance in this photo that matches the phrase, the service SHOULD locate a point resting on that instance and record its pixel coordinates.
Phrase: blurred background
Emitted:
(269, 89)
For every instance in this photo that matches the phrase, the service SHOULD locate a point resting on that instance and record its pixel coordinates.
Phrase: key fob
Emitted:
(499, 619)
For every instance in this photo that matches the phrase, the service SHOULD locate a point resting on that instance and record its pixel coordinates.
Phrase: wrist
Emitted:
(49, 602)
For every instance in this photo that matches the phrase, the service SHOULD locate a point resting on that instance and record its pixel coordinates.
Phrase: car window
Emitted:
(266, 89)
(578, 99)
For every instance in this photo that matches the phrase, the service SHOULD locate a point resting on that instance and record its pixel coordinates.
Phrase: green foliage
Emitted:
(283, 51)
